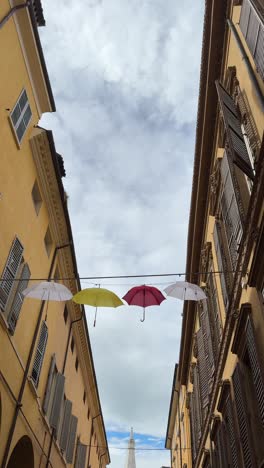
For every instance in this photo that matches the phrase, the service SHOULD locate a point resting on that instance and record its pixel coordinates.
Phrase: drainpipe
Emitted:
(12, 12)
(63, 370)
(101, 456)
(249, 67)
(25, 376)
(91, 433)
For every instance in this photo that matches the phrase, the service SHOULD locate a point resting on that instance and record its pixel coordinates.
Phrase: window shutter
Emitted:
(252, 28)
(256, 369)
(80, 455)
(232, 123)
(203, 369)
(213, 309)
(221, 260)
(193, 433)
(65, 425)
(231, 211)
(40, 351)
(71, 439)
(57, 401)
(10, 271)
(230, 427)
(49, 384)
(18, 299)
(242, 416)
(207, 338)
(197, 404)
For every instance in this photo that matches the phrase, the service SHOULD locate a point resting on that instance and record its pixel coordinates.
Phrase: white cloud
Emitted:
(125, 78)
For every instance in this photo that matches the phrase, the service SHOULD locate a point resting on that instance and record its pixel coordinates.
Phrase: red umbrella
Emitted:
(144, 296)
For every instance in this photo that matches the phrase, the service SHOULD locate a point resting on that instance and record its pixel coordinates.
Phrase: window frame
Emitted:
(16, 125)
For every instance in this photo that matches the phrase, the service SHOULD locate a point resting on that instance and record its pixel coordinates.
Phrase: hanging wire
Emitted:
(157, 275)
(137, 449)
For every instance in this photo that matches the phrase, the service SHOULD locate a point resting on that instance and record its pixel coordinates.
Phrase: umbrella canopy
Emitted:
(144, 296)
(97, 297)
(48, 291)
(185, 291)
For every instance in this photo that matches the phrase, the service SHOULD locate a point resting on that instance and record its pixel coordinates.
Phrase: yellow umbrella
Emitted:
(97, 297)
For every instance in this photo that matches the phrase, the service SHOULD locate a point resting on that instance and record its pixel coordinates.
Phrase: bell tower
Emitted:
(131, 459)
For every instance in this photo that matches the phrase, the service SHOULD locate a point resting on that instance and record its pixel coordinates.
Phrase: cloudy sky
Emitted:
(125, 77)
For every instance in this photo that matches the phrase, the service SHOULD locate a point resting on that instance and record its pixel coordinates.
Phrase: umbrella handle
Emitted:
(143, 320)
(95, 317)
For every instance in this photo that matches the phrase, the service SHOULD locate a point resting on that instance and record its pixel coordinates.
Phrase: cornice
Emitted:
(55, 201)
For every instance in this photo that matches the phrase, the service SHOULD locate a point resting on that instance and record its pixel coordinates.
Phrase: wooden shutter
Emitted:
(65, 425)
(222, 262)
(80, 455)
(255, 368)
(57, 401)
(71, 439)
(203, 369)
(207, 338)
(10, 271)
(230, 428)
(236, 143)
(249, 124)
(252, 27)
(197, 404)
(40, 351)
(49, 384)
(242, 417)
(231, 211)
(193, 433)
(18, 299)
(214, 314)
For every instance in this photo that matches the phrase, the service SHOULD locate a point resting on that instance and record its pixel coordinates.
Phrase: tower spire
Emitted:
(131, 459)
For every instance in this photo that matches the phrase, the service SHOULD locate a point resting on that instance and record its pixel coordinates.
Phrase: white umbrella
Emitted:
(185, 291)
(48, 291)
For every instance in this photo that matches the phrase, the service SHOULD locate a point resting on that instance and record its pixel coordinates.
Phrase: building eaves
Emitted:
(172, 410)
(33, 17)
(54, 155)
(211, 62)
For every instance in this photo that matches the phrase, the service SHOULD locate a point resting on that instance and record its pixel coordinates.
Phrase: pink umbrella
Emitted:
(144, 296)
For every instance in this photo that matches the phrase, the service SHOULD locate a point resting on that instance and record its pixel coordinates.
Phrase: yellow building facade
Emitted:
(50, 411)
(218, 388)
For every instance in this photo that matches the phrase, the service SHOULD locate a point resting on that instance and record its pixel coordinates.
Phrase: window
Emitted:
(65, 314)
(48, 242)
(39, 355)
(88, 413)
(10, 271)
(72, 344)
(80, 458)
(21, 115)
(76, 364)
(11, 298)
(36, 197)
(84, 396)
(252, 27)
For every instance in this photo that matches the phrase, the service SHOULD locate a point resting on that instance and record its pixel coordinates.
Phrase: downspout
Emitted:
(90, 441)
(246, 60)
(25, 376)
(13, 11)
(63, 370)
